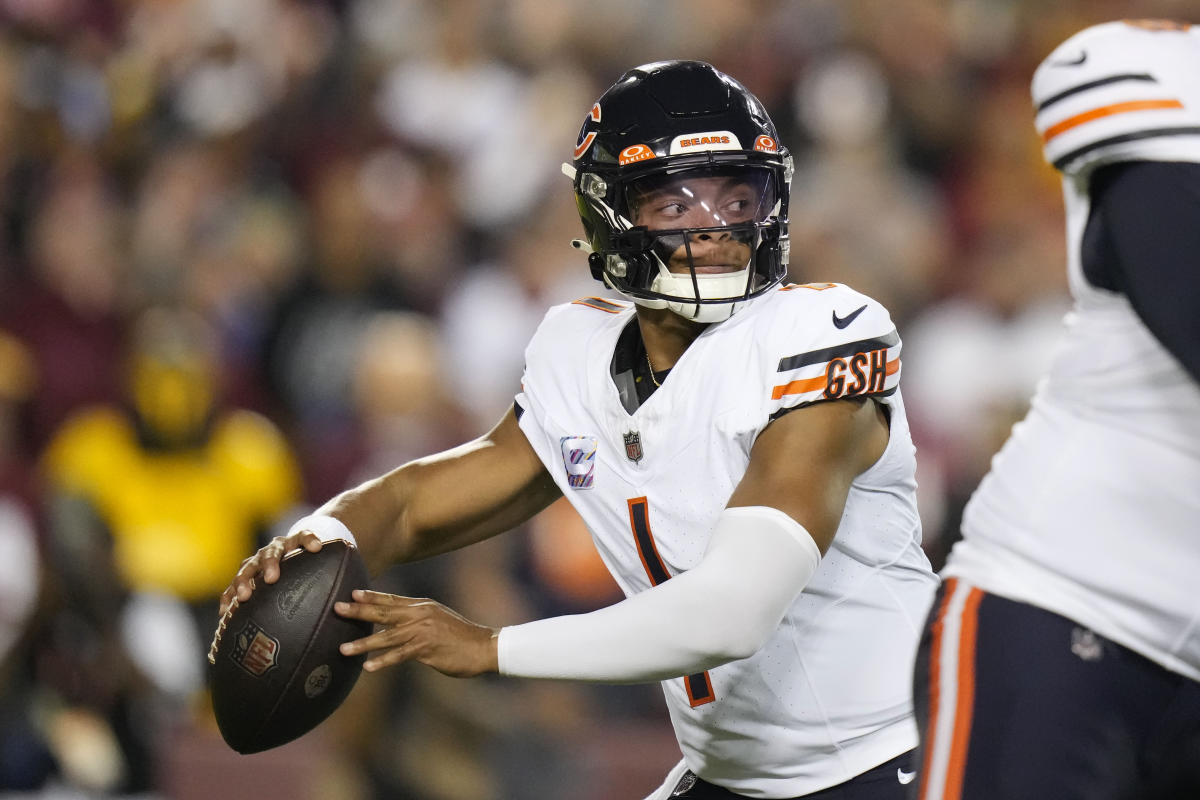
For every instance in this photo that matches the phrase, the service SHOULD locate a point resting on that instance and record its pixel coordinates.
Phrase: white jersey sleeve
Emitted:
(1120, 91)
(849, 348)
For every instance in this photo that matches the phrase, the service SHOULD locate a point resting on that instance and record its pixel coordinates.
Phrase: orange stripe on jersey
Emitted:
(599, 304)
(965, 707)
(816, 287)
(799, 387)
(1107, 111)
(820, 382)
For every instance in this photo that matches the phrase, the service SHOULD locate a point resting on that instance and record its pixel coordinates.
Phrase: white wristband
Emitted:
(327, 528)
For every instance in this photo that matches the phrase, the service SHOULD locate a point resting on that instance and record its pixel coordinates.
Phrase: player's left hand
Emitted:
(419, 629)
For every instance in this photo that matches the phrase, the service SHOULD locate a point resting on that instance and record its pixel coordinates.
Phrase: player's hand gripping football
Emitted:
(265, 563)
(418, 629)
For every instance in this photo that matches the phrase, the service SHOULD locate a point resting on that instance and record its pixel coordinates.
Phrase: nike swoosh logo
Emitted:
(841, 322)
(1074, 63)
(905, 777)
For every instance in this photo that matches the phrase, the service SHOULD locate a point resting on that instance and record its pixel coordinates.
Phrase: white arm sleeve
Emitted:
(722, 610)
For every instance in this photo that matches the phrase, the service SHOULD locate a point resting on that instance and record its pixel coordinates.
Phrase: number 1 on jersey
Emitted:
(699, 686)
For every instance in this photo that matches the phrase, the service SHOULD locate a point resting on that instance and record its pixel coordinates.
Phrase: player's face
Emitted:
(694, 205)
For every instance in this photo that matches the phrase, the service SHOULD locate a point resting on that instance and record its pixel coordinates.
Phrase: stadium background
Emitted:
(253, 251)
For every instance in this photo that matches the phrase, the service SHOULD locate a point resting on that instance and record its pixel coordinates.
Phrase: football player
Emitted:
(1062, 658)
(737, 447)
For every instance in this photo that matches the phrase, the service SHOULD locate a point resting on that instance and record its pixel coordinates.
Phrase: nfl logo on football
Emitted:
(255, 651)
(579, 459)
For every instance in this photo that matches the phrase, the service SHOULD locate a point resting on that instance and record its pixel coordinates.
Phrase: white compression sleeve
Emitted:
(721, 610)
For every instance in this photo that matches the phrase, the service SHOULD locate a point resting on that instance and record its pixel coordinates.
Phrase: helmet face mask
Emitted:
(682, 189)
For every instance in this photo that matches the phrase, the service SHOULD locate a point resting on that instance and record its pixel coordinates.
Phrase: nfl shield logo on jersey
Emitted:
(579, 458)
(633, 446)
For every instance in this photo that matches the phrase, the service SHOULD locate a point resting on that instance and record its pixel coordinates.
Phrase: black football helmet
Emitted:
(649, 148)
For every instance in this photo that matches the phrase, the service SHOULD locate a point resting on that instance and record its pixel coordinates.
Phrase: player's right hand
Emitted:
(265, 563)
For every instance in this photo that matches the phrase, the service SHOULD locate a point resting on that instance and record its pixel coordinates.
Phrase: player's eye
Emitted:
(738, 207)
(664, 211)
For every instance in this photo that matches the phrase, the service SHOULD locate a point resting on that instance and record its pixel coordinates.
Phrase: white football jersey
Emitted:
(1092, 508)
(828, 696)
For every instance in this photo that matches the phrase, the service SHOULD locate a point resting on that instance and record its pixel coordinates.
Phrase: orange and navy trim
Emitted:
(639, 521)
(863, 368)
(1110, 110)
(1154, 24)
(816, 287)
(951, 692)
(699, 686)
(800, 360)
(600, 304)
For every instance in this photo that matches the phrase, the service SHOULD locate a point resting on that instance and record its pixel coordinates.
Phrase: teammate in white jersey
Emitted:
(747, 477)
(1062, 659)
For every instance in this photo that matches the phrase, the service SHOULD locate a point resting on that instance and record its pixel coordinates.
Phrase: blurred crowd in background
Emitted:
(255, 251)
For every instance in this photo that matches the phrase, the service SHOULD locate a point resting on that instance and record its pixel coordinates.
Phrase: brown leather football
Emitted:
(274, 666)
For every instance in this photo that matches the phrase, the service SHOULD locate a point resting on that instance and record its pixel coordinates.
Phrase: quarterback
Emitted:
(1062, 659)
(737, 447)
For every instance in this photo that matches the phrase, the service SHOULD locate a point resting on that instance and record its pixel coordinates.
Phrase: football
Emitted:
(274, 666)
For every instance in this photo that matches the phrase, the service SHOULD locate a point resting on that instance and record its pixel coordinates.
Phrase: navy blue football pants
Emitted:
(1017, 703)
